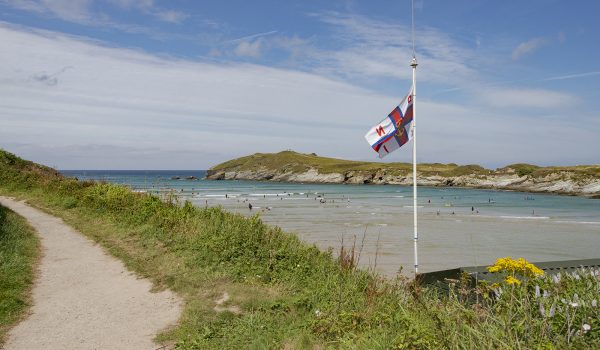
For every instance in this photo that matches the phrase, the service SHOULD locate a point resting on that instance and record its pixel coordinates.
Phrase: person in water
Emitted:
(250, 206)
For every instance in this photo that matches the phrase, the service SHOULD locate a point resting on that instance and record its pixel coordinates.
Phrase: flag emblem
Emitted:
(395, 130)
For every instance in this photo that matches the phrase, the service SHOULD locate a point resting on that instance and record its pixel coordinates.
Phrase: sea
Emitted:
(456, 226)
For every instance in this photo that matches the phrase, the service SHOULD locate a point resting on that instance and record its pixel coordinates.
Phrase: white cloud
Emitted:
(171, 16)
(377, 49)
(82, 11)
(249, 48)
(122, 108)
(528, 47)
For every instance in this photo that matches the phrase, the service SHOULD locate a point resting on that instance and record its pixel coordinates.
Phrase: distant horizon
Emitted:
(382, 163)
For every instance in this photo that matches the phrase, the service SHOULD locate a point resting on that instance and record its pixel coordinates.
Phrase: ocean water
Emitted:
(457, 227)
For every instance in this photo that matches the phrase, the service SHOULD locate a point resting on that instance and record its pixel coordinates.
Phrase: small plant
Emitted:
(515, 268)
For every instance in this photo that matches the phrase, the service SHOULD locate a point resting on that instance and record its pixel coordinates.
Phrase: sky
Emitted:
(148, 84)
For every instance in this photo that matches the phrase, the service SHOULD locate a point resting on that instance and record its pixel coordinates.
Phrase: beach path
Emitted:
(85, 299)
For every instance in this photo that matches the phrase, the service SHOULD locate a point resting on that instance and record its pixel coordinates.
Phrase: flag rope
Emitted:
(412, 14)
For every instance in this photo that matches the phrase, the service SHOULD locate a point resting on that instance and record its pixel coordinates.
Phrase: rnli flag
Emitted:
(395, 130)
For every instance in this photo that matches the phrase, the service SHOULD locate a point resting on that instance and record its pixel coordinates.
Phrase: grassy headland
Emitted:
(300, 162)
(285, 294)
(289, 166)
(19, 252)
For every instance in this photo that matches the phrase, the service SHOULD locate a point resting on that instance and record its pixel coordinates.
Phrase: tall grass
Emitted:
(18, 254)
(290, 294)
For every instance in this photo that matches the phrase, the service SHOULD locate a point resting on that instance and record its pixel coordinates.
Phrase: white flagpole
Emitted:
(413, 64)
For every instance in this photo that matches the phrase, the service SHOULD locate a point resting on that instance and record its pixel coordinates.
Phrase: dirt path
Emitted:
(85, 299)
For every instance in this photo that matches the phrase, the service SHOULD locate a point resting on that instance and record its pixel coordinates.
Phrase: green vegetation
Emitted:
(288, 295)
(299, 162)
(18, 254)
(521, 169)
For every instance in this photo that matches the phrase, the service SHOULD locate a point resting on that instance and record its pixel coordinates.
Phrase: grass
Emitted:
(299, 162)
(19, 251)
(289, 294)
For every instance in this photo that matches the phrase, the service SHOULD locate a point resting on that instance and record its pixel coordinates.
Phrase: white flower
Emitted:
(574, 304)
(552, 310)
(575, 297)
(546, 294)
(498, 292)
(586, 327)
(542, 310)
(537, 291)
(318, 313)
(594, 303)
(556, 278)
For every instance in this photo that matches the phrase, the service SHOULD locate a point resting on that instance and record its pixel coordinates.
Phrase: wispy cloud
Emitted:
(249, 48)
(534, 98)
(171, 16)
(253, 36)
(573, 76)
(372, 48)
(528, 47)
(83, 11)
(50, 79)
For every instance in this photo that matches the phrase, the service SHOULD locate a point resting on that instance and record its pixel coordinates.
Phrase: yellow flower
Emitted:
(512, 280)
(515, 267)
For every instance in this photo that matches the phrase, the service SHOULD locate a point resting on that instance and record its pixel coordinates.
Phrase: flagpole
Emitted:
(413, 64)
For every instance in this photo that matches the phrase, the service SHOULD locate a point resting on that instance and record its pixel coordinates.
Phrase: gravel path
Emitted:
(85, 299)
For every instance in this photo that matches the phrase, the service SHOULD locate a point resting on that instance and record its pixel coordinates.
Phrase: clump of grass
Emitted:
(18, 254)
(289, 293)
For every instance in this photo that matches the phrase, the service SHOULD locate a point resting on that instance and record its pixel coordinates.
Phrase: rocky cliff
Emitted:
(296, 167)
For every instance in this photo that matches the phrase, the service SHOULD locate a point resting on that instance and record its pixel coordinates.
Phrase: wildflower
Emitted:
(552, 310)
(594, 303)
(586, 327)
(512, 268)
(498, 292)
(556, 278)
(318, 313)
(575, 297)
(542, 310)
(574, 304)
(512, 280)
(546, 294)
(537, 291)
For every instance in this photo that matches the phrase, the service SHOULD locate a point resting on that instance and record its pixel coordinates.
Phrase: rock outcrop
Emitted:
(555, 183)
(308, 169)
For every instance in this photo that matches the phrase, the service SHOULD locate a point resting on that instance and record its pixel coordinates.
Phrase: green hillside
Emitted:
(286, 294)
(300, 162)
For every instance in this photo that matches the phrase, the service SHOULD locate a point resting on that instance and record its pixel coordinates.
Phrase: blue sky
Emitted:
(124, 84)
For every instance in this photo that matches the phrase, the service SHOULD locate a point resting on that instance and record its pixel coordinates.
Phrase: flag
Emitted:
(395, 130)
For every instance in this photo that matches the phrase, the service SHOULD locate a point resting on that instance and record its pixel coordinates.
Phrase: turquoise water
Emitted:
(457, 226)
